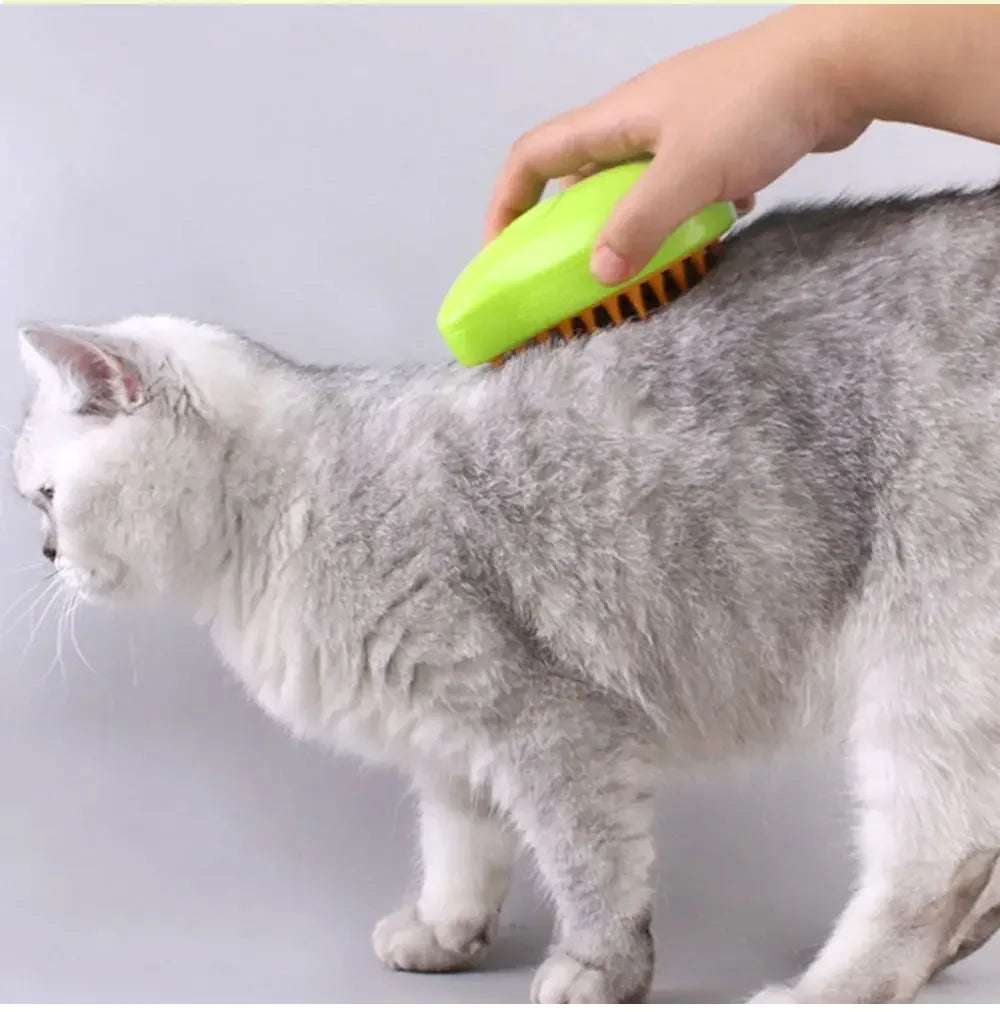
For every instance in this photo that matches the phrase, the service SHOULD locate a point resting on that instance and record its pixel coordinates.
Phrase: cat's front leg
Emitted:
(467, 855)
(587, 813)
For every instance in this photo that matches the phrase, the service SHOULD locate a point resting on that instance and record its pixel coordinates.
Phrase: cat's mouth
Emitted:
(93, 586)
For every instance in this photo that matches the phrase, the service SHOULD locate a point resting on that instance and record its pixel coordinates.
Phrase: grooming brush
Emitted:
(532, 283)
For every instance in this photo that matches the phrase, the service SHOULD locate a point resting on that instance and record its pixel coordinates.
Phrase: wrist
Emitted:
(830, 50)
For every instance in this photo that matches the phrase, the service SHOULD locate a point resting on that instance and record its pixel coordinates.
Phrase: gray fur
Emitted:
(772, 511)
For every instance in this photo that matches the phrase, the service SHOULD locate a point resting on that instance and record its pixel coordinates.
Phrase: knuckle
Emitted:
(519, 151)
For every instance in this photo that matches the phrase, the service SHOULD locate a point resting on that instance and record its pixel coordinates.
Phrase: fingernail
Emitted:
(608, 266)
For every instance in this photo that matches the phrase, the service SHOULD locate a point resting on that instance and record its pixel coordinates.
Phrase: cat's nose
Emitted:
(49, 550)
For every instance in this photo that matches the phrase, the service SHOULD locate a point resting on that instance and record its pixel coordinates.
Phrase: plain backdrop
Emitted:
(316, 177)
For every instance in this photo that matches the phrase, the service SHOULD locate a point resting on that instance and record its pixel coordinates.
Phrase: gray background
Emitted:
(316, 177)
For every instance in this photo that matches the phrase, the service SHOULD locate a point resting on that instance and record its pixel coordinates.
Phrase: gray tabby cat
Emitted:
(773, 511)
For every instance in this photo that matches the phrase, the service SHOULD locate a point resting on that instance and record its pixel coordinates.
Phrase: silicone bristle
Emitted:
(639, 299)
(614, 310)
(659, 287)
(634, 297)
(677, 273)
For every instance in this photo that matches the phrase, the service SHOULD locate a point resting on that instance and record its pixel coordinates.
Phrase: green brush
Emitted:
(533, 281)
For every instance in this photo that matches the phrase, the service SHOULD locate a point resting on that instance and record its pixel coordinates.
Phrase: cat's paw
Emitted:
(563, 980)
(774, 994)
(404, 942)
(618, 972)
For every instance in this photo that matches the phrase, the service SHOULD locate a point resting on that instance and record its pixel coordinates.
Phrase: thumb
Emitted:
(656, 204)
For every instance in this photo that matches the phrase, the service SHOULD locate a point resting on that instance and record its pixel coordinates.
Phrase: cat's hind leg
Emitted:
(467, 855)
(926, 755)
(977, 928)
(890, 938)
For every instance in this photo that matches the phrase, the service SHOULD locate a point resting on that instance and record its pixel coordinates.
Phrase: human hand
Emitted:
(721, 122)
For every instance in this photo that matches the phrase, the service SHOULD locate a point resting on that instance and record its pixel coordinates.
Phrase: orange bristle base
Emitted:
(641, 299)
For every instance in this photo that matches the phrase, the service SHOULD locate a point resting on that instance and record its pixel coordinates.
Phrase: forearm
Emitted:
(936, 66)
(810, 78)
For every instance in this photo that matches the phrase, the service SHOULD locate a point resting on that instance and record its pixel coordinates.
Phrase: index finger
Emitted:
(544, 153)
(558, 148)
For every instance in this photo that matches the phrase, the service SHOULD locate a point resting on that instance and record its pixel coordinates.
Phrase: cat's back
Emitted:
(829, 323)
(738, 469)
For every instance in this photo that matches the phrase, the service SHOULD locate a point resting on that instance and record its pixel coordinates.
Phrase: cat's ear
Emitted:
(95, 370)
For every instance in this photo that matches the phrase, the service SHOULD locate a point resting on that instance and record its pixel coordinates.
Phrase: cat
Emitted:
(768, 513)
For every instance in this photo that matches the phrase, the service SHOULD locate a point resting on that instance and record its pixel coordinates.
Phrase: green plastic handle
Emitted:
(536, 273)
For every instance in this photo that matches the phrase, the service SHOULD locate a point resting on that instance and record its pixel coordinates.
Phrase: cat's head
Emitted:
(122, 452)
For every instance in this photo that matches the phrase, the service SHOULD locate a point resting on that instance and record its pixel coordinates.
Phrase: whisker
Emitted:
(60, 633)
(74, 608)
(47, 587)
(135, 667)
(41, 564)
(20, 597)
(55, 598)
